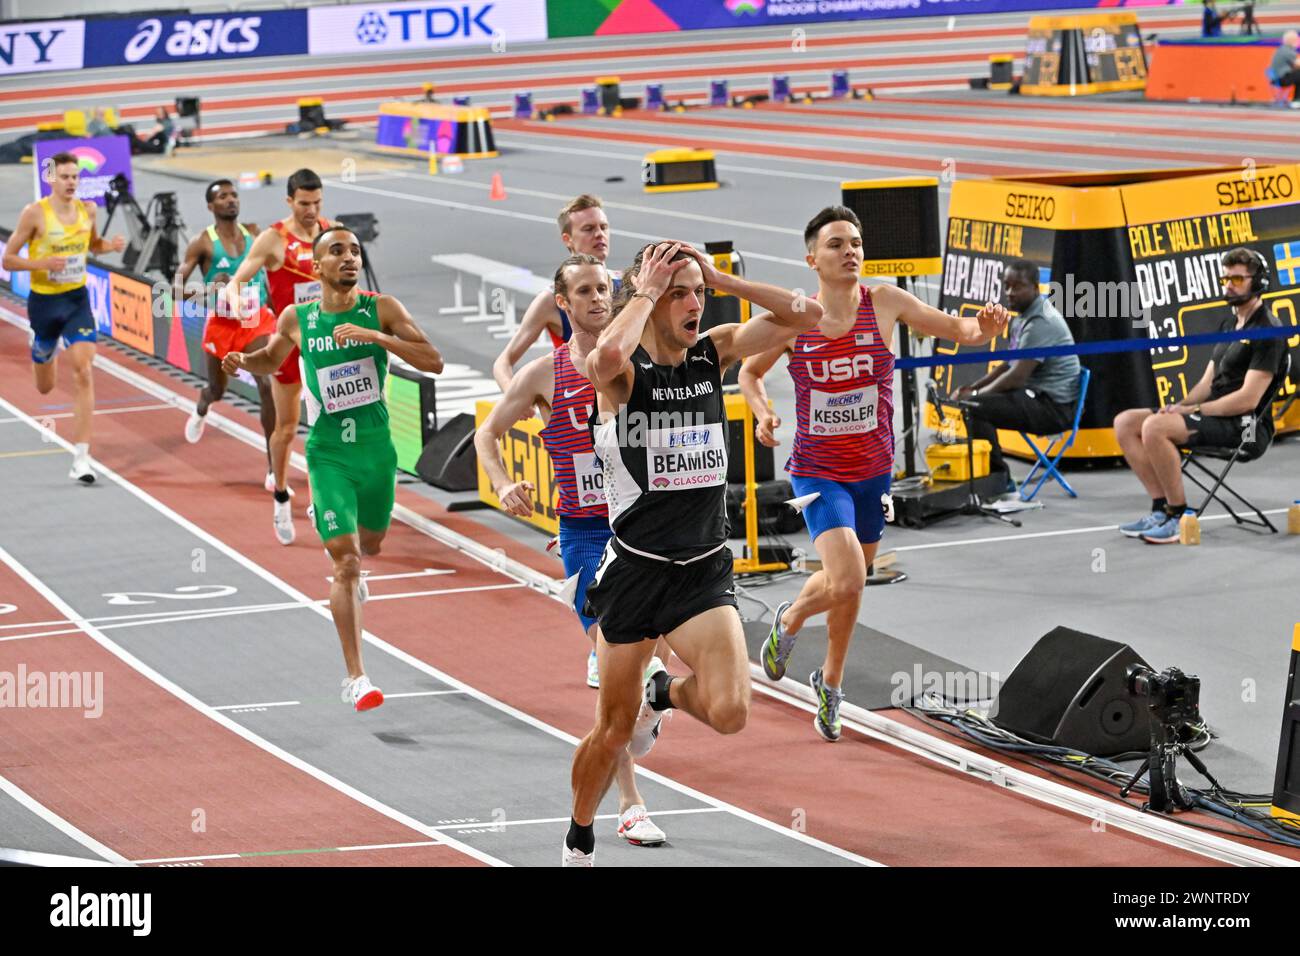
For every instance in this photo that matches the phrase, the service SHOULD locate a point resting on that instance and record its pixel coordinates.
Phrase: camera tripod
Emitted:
(1166, 794)
(157, 233)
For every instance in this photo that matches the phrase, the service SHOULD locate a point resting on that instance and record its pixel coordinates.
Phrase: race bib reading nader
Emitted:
(590, 480)
(679, 459)
(842, 413)
(348, 385)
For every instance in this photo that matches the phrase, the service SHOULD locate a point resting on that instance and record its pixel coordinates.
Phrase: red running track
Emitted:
(522, 649)
(133, 777)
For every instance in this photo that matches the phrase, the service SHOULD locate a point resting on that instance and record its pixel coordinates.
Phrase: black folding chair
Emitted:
(1245, 451)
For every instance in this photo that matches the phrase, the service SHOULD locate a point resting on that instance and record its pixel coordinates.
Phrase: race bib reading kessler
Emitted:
(678, 459)
(305, 292)
(842, 413)
(74, 270)
(348, 384)
(590, 480)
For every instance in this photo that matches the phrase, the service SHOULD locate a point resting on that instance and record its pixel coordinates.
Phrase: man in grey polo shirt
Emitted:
(1283, 65)
(1030, 395)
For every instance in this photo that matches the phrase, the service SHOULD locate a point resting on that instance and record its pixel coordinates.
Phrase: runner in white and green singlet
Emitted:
(345, 337)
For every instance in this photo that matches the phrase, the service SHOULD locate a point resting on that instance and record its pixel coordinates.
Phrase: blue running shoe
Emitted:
(776, 649)
(1135, 529)
(827, 720)
(1163, 533)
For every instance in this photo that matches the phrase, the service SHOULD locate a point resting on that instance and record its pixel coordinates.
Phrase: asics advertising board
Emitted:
(41, 46)
(380, 27)
(143, 39)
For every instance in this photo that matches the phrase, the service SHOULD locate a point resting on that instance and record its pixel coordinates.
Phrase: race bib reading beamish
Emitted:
(842, 413)
(348, 385)
(679, 459)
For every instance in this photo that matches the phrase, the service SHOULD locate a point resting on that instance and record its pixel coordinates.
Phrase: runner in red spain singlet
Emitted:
(284, 250)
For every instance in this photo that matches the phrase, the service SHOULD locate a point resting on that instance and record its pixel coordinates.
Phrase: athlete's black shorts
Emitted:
(638, 599)
(1218, 432)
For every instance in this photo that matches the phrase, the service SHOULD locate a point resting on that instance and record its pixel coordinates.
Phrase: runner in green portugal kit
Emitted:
(345, 337)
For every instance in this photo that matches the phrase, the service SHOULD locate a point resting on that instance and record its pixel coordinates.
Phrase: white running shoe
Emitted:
(576, 857)
(363, 592)
(648, 720)
(593, 671)
(194, 428)
(636, 827)
(269, 484)
(283, 521)
(361, 694)
(81, 471)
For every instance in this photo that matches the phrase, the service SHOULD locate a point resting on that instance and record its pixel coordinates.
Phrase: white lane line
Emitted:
(1049, 534)
(297, 703)
(396, 652)
(258, 855)
(60, 824)
(98, 411)
(427, 572)
(175, 689)
(491, 825)
(637, 158)
(630, 207)
(181, 617)
(527, 217)
(274, 703)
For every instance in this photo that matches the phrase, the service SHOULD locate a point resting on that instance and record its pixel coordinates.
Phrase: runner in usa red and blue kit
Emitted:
(566, 399)
(843, 452)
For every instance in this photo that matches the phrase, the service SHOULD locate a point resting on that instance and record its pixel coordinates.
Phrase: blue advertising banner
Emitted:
(127, 40)
(100, 288)
(99, 157)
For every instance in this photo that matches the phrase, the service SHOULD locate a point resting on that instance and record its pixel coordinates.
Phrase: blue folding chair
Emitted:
(1281, 94)
(1048, 465)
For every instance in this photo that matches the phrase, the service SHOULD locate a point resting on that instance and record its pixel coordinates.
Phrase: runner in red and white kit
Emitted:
(556, 385)
(843, 453)
(284, 250)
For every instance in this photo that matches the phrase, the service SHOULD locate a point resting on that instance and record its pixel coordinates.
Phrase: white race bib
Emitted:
(842, 413)
(679, 459)
(590, 480)
(348, 385)
(74, 270)
(305, 291)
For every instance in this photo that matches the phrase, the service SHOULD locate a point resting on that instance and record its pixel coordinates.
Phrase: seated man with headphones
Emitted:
(1216, 411)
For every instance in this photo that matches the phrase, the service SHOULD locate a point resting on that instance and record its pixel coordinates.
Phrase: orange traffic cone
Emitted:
(498, 187)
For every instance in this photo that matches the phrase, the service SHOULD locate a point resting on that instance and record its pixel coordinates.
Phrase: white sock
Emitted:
(82, 450)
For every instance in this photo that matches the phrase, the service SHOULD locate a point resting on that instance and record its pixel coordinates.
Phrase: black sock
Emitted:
(580, 837)
(1158, 504)
(1175, 511)
(660, 699)
(282, 496)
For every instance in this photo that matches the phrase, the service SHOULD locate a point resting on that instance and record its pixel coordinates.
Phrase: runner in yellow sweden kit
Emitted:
(345, 338)
(59, 231)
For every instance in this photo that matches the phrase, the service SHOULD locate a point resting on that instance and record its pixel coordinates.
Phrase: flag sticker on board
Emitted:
(1287, 257)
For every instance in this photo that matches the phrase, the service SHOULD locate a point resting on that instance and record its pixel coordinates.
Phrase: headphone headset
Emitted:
(1260, 280)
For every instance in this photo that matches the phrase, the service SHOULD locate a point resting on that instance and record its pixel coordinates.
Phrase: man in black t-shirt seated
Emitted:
(1216, 411)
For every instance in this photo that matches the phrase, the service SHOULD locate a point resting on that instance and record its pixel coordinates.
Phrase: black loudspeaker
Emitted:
(1070, 691)
(1286, 786)
(774, 515)
(449, 460)
(900, 224)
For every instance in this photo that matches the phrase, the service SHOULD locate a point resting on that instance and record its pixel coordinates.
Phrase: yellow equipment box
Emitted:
(952, 462)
